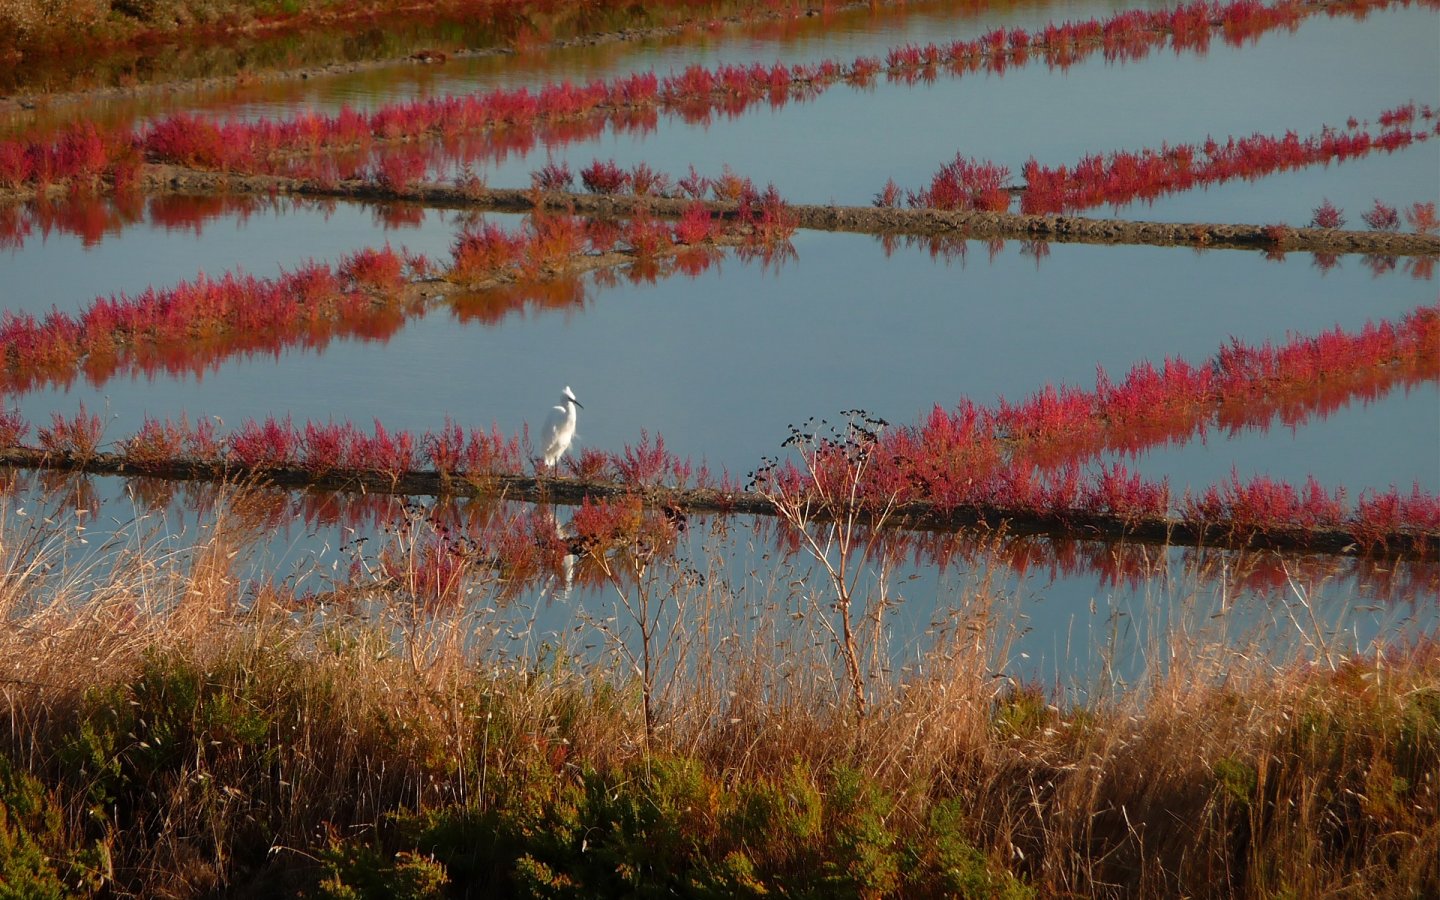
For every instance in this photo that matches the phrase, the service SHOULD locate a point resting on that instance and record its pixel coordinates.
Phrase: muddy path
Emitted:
(858, 219)
(1399, 545)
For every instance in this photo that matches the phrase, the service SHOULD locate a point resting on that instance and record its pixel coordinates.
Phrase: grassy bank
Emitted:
(173, 730)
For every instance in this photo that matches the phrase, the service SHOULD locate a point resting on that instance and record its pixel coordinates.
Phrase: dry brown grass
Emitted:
(1225, 773)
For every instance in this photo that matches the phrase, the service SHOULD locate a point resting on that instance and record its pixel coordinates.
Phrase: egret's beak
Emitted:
(578, 403)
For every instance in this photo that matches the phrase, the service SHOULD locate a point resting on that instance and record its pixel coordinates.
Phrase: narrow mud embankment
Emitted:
(920, 515)
(861, 219)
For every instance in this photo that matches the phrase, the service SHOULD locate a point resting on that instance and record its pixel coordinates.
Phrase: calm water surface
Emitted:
(722, 364)
(1283, 81)
(819, 152)
(1286, 81)
(68, 270)
(1071, 630)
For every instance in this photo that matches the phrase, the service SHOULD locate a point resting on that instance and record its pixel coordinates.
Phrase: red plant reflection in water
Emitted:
(1131, 566)
(1027, 456)
(493, 305)
(952, 249)
(93, 218)
(486, 535)
(1125, 176)
(974, 454)
(189, 328)
(979, 457)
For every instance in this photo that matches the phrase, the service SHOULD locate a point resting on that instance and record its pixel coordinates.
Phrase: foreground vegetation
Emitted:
(173, 730)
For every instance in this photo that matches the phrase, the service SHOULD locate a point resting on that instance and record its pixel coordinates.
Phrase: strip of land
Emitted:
(542, 488)
(859, 219)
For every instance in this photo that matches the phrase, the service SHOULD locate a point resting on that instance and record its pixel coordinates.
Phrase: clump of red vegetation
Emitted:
(1027, 457)
(1327, 216)
(647, 236)
(190, 327)
(382, 270)
(552, 176)
(80, 155)
(453, 451)
(965, 184)
(767, 215)
(184, 328)
(1381, 217)
(331, 448)
(604, 177)
(1125, 176)
(13, 428)
(1421, 217)
(156, 444)
(480, 251)
(696, 225)
(78, 436)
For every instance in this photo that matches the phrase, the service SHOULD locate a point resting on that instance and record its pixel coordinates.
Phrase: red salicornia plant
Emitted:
(1382, 217)
(1327, 216)
(1422, 218)
(1124, 176)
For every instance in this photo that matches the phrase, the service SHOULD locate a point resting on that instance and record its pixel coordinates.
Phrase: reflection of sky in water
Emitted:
(1282, 82)
(1290, 198)
(720, 365)
(1070, 632)
(824, 150)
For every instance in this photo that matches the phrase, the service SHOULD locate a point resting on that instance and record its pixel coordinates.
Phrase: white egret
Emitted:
(559, 429)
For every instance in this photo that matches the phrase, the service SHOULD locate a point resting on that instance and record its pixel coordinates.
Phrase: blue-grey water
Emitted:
(817, 152)
(721, 364)
(1074, 632)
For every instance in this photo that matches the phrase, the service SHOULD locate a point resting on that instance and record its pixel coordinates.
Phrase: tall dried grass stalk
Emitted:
(209, 732)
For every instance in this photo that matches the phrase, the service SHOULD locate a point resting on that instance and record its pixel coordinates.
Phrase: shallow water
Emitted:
(1398, 436)
(1288, 81)
(722, 364)
(67, 269)
(1290, 198)
(1065, 625)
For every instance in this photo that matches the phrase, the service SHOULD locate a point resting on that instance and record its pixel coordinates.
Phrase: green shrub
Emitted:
(864, 859)
(26, 820)
(356, 871)
(36, 858)
(1022, 712)
(1238, 780)
(948, 865)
